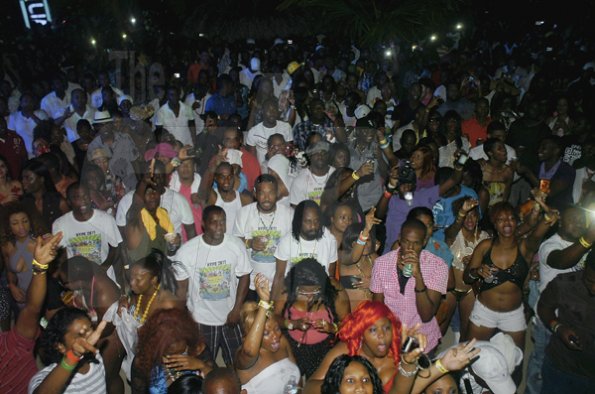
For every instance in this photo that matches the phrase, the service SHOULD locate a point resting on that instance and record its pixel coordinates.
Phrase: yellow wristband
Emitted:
(584, 243)
(39, 265)
(266, 305)
(441, 366)
(355, 176)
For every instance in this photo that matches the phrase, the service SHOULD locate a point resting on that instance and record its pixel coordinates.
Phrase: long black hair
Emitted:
(296, 224)
(39, 168)
(54, 334)
(334, 375)
(309, 272)
(161, 267)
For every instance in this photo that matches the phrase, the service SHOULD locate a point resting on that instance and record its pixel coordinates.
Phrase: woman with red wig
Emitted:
(169, 346)
(373, 332)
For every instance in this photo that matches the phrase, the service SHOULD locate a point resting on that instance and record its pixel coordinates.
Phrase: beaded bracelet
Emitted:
(407, 374)
(266, 305)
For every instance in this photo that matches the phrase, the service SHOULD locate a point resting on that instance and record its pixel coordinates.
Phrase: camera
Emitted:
(406, 174)
(410, 345)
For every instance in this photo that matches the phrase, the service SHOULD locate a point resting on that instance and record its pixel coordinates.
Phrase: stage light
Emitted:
(93, 42)
(459, 26)
(124, 36)
(388, 53)
(433, 37)
(133, 20)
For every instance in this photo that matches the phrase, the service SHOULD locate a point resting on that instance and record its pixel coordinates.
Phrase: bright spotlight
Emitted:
(133, 20)
(93, 42)
(413, 47)
(433, 37)
(124, 36)
(388, 53)
(459, 26)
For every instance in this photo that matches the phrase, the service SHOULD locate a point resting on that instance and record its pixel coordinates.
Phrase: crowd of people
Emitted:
(289, 218)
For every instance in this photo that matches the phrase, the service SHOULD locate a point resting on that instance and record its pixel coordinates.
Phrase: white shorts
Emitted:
(512, 321)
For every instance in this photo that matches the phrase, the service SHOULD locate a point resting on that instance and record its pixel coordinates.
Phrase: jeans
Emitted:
(556, 381)
(541, 337)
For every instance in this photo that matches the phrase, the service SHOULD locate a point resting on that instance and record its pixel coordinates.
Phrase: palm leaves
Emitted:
(376, 21)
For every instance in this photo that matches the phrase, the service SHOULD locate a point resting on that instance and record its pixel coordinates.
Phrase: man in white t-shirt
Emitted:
(215, 278)
(97, 96)
(261, 225)
(308, 238)
(88, 232)
(177, 118)
(173, 202)
(77, 110)
(55, 101)
(561, 253)
(310, 183)
(498, 131)
(256, 141)
(25, 120)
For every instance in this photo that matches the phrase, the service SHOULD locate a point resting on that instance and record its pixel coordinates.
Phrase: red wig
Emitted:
(367, 313)
(162, 328)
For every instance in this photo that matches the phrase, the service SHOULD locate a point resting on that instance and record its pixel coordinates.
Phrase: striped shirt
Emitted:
(93, 382)
(17, 364)
(386, 280)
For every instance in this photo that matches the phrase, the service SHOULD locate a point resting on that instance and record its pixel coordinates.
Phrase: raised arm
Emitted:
(28, 321)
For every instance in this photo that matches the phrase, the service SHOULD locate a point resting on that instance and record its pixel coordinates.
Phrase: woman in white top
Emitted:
(265, 362)
(67, 347)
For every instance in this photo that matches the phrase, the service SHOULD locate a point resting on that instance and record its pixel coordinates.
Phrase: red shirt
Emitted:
(17, 364)
(12, 148)
(250, 168)
(473, 130)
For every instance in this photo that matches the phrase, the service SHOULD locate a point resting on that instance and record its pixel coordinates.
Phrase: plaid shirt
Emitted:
(386, 280)
(302, 130)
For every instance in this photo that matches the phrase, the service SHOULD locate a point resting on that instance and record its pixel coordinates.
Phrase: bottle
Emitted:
(292, 386)
(408, 270)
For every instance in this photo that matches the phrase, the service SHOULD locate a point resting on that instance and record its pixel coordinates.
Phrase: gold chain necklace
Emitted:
(139, 303)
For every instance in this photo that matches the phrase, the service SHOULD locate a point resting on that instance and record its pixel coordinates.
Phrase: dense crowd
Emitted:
(313, 217)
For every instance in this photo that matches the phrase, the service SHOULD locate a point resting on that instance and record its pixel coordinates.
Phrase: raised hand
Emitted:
(262, 286)
(46, 249)
(86, 343)
(406, 332)
(370, 220)
(460, 356)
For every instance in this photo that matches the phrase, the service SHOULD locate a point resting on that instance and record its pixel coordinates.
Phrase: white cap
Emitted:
(497, 360)
(362, 111)
(124, 97)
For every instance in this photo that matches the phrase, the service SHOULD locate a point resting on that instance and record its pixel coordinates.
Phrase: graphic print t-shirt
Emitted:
(251, 224)
(293, 251)
(212, 272)
(90, 239)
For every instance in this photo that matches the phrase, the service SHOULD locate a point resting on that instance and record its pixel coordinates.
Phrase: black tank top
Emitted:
(516, 273)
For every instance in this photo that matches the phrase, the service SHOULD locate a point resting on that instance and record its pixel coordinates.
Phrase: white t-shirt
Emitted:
(478, 153)
(547, 273)
(176, 125)
(324, 250)
(212, 273)
(307, 186)
(24, 127)
(250, 224)
(70, 123)
(93, 382)
(54, 105)
(91, 238)
(581, 176)
(259, 135)
(97, 99)
(173, 202)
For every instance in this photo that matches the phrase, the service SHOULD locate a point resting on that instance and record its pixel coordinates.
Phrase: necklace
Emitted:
(270, 226)
(147, 308)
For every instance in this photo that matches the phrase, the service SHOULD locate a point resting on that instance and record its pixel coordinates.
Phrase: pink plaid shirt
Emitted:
(386, 280)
